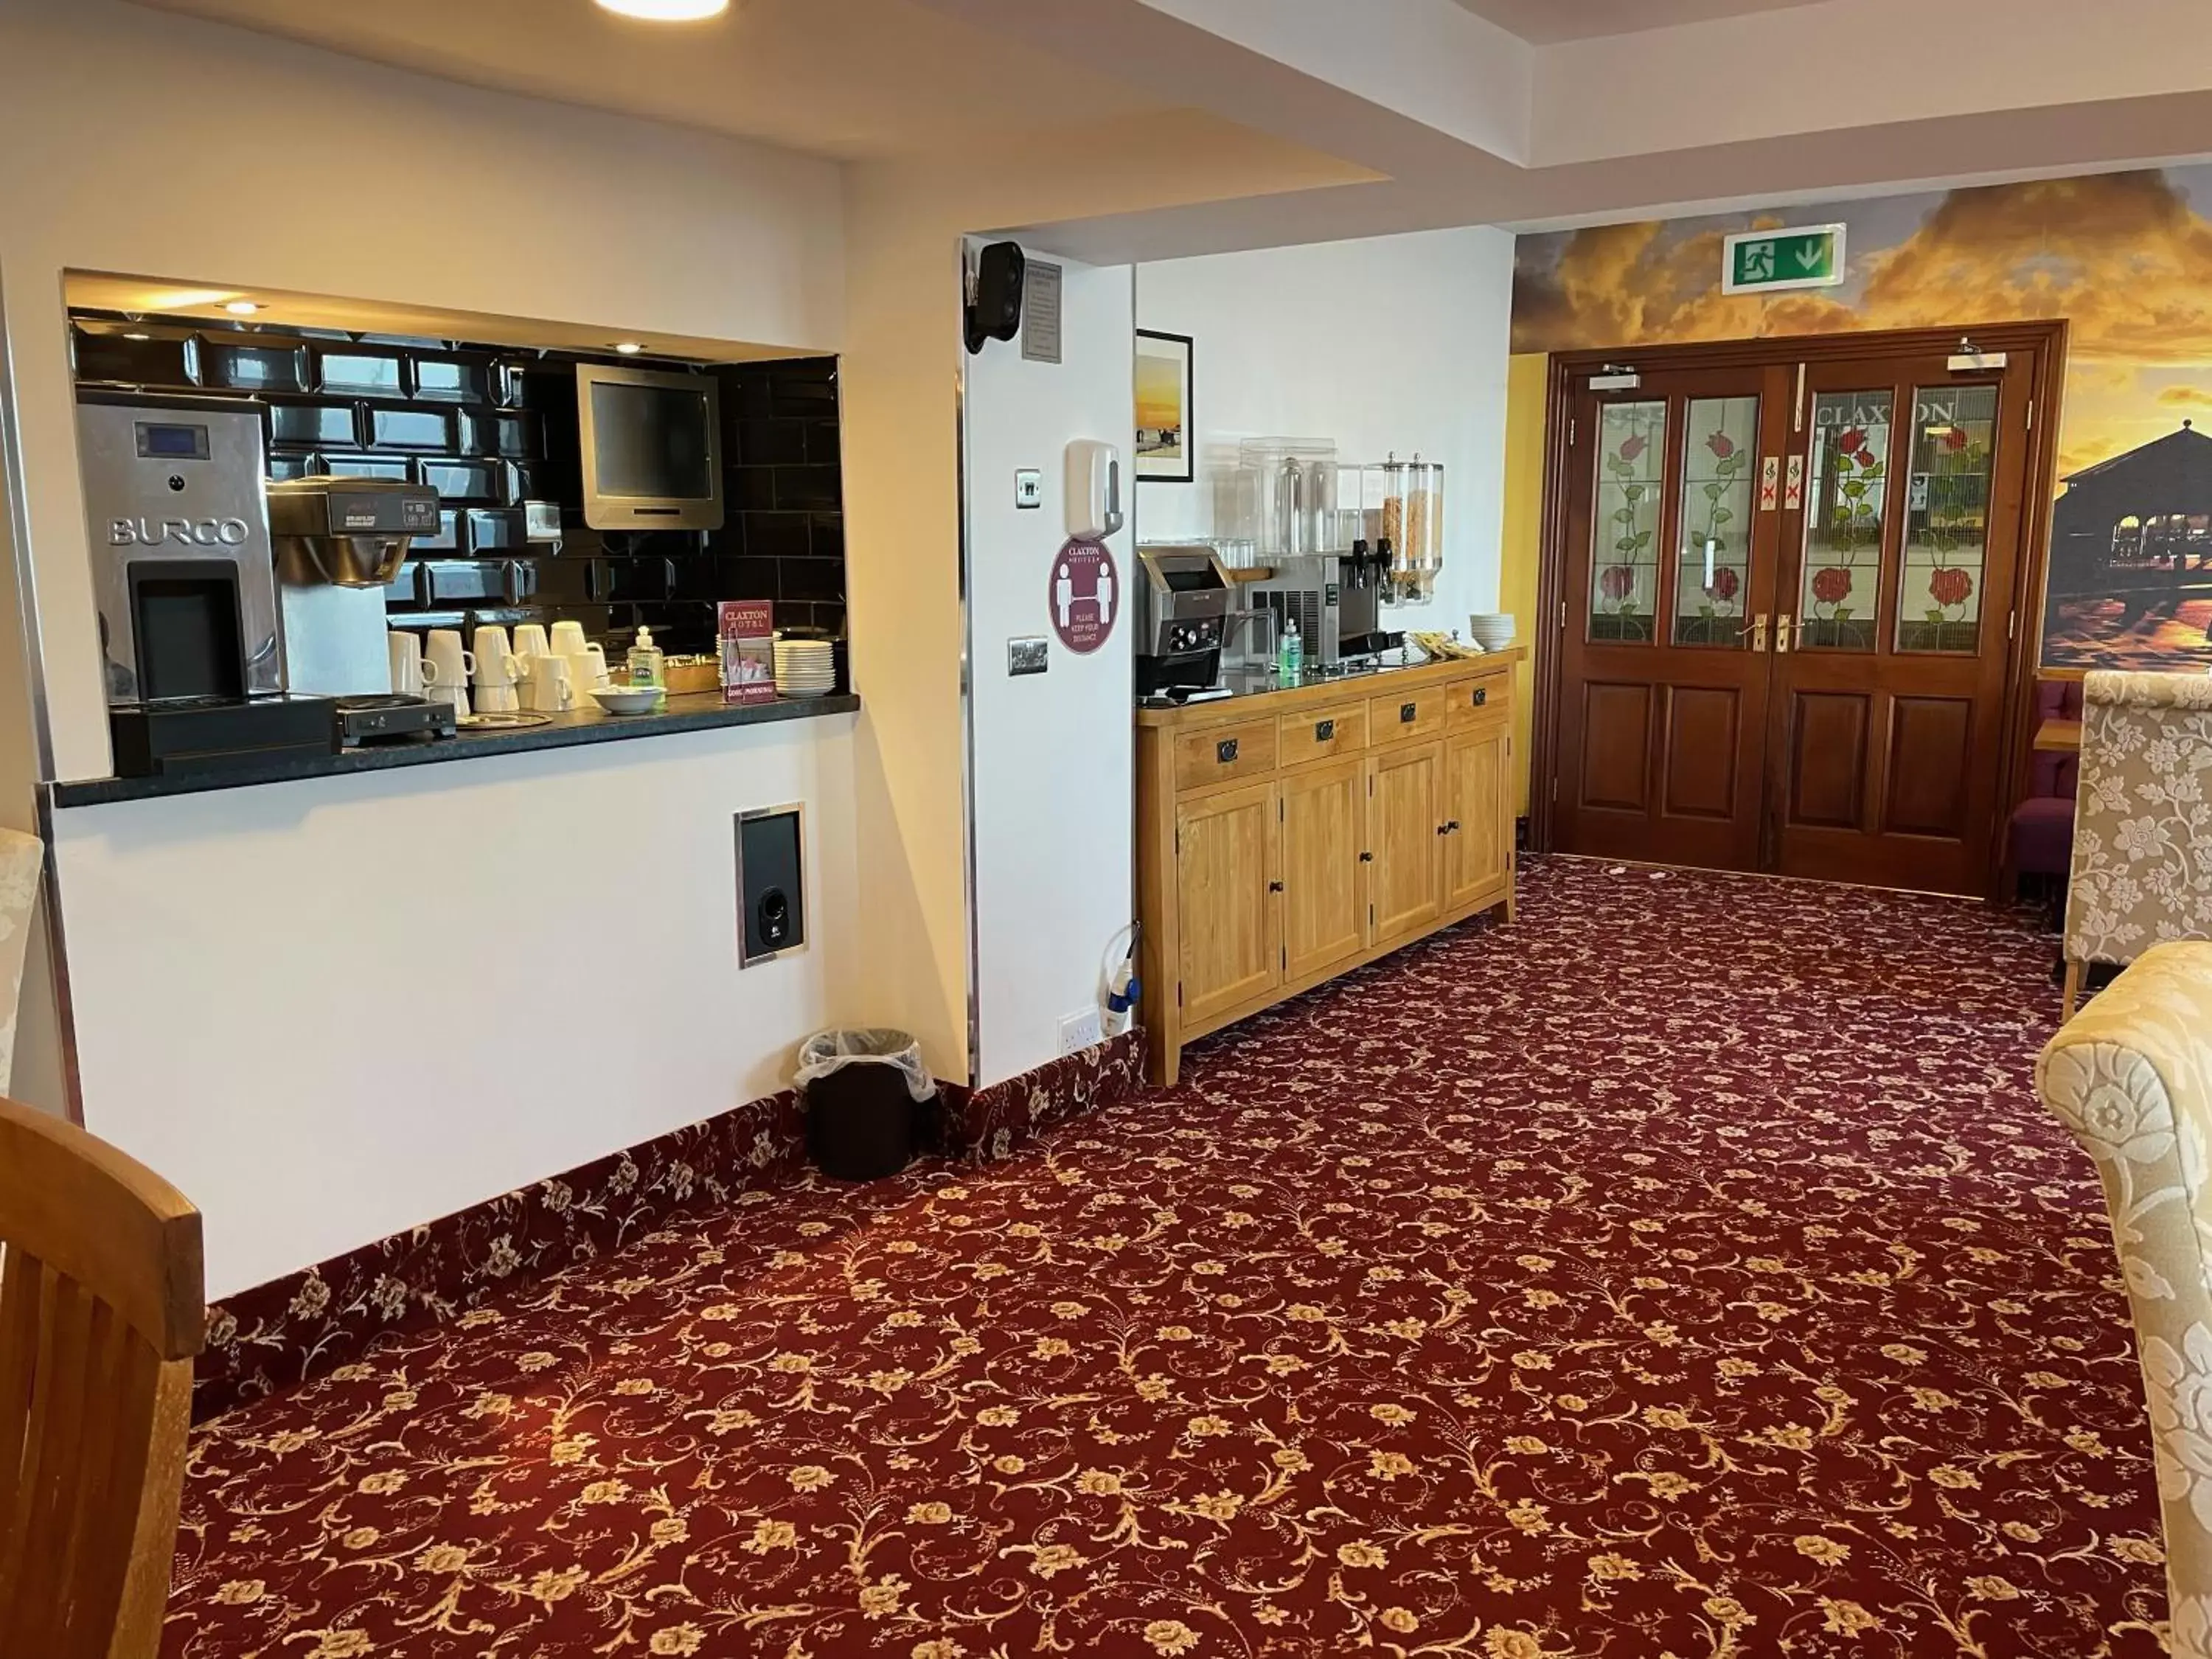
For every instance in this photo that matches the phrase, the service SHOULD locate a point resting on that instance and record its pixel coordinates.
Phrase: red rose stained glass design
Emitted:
(1844, 518)
(1625, 527)
(1713, 568)
(1946, 518)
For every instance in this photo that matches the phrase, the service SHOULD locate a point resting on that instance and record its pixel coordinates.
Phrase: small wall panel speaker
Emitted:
(771, 884)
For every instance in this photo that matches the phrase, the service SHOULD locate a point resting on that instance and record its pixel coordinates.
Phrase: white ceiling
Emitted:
(1542, 22)
(1277, 121)
(849, 79)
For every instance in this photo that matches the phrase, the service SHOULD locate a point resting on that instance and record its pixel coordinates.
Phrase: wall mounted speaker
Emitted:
(994, 302)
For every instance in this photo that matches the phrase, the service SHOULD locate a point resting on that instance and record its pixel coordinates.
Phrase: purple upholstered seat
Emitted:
(2041, 839)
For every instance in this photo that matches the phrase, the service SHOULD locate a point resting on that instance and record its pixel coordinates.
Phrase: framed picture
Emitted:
(1166, 441)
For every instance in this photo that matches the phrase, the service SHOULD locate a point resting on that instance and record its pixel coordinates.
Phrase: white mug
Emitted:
(452, 666)
(588, 668)
(567, 639)
(410, 675)
(495, 665)
(552, 690)
(529, 645)
(497, 697)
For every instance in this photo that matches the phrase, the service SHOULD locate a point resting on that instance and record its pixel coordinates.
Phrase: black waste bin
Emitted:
(865, 1092)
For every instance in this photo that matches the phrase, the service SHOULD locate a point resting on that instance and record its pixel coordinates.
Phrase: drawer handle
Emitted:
(1481, 695)
(1225, 751)
(1407, 711)
(1443, 828)
(1367, 858)
(1452, 827)
(1274, 887)
(1324, 730)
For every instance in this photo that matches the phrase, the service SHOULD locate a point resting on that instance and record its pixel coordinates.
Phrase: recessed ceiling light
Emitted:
(241, 307)
(668, 12)
(629, 348)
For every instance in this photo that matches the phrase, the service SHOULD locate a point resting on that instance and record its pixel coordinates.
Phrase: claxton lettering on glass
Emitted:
(190, 532)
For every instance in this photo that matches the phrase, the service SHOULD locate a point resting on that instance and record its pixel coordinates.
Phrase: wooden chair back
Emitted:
(101, 1310)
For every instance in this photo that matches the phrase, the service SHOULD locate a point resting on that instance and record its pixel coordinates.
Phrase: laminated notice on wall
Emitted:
(1041, 312)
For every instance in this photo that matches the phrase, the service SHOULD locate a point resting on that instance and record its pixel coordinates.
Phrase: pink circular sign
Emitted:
(1085, 596)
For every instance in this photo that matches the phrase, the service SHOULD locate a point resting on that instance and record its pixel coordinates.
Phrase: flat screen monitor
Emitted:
(652, 448)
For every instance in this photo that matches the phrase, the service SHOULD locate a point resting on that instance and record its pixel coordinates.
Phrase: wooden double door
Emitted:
(1791, 593)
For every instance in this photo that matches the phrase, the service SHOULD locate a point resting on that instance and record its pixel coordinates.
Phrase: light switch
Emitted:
(1027, 656)
(1028, 487)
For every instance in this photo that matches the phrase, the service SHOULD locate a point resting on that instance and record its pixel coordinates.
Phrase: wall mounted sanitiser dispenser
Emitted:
(1094, 490)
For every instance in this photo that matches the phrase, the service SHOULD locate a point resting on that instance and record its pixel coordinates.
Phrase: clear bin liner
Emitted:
(833, 1051)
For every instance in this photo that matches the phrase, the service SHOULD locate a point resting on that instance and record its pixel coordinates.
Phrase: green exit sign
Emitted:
(1762, 261)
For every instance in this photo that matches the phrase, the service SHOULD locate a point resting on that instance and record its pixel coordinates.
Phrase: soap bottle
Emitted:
(649, 666)
(1291, 654)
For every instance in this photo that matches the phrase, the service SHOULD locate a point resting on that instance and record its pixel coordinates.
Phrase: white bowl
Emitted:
(1492, 631)
(626, 699)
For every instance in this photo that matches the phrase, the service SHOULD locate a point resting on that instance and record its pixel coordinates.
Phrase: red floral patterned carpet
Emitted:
(1688, 1270)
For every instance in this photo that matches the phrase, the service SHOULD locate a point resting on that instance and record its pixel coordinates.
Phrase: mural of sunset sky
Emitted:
(2125, 259)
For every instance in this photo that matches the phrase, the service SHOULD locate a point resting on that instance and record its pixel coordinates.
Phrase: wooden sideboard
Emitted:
(1286, 837)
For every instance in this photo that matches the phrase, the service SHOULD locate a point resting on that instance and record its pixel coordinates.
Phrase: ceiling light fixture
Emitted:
(138, 336)
(668, 12)
(629, 348)
(241, 307)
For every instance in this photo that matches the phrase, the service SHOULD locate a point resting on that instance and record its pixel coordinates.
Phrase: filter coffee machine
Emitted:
(337, 544)
(185, 583)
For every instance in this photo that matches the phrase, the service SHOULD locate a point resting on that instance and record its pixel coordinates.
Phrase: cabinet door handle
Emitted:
(1443, 828)
(1407, 711)
(1225, 751)
(1452, 827)
(1481, 695)
(1324, 730)
(1274, 887)
(1367, 858)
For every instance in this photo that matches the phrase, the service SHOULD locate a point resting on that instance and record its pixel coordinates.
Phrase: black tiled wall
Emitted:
(490, 428)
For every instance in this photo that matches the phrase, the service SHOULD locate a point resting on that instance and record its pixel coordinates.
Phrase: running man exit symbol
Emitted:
(1765, 261)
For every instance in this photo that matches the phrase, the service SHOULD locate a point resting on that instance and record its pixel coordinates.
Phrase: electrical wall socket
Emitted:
(1080, 1031)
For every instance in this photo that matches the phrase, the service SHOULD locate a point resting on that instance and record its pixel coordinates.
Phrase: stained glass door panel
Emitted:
(1846, 494)
(1623, 593)
(1719, 471)
(1946, 518)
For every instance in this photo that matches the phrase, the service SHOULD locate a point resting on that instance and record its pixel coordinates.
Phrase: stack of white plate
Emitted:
(804, 668)
(1493, 630)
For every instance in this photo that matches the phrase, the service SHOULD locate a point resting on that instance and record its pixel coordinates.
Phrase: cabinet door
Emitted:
(1324, 830)
(1405, 820)
(1224, 872)
(1478, 850)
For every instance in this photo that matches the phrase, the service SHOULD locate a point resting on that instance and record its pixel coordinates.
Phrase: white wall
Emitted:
(136, 141)
(218, 946)
(331, 1009)
(1396, 343)
(1052, 754)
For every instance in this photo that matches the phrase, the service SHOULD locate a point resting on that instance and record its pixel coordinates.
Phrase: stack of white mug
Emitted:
(437, 668)
(546, 674)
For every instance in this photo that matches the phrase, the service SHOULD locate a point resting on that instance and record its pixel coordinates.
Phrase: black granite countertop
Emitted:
(703, 711)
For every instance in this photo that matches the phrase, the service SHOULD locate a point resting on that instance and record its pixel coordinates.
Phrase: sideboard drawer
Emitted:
(1220, 753)
(1322, 733)
(1488, 698)
(1407, 715)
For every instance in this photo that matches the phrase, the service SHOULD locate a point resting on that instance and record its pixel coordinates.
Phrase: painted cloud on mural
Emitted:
(2125, 259)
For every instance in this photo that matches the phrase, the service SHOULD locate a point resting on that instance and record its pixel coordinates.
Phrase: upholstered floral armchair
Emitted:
(2132, 1079)
(2142, 827)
